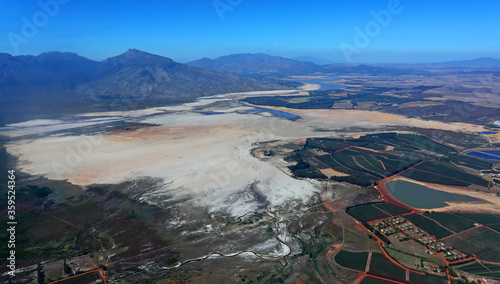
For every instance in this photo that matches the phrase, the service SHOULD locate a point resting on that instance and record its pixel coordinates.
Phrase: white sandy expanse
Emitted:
(40, 126)
(203, 157)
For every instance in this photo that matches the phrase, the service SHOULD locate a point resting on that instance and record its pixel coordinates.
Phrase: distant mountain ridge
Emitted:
(259, 63)
(477, 62)
(368, 70)
(313, 59)
(484, 63)
(248, 63)
(48, 68)
(57, 82)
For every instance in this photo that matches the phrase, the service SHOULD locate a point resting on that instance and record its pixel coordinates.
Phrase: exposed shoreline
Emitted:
(490, 202)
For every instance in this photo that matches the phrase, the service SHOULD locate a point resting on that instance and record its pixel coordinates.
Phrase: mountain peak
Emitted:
(138, 57)
(133, 51)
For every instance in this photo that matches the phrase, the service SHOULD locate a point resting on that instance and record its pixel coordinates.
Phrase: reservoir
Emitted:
(276, 113)
(323, 82)
(486, 154)
(422, 197)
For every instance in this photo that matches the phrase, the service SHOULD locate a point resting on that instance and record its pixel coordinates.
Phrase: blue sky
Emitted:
(418, 30)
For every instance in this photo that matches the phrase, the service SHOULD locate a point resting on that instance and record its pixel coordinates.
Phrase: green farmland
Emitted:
(416, 278)
(373, 157)
(429, 226)
(373, 280)
(381, 266)
(352, 260)
(369, 158)
(367, 213)
(391, 209)
(485, 219)
(452, 222)
(483, 269)
(444, 173)
(375, 211)
(482, 242)
(470, 162)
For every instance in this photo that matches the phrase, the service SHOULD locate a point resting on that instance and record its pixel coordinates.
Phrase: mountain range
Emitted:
(259, 63)
(57, 83)
(477, 62)
(248, 63)
(482, 64)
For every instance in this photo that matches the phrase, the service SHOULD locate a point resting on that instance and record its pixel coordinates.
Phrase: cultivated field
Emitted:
(352, 260)
(485, 219)
(370, 158)
(429, 226)
(197, 164)
(483, 269)
(428, 97)
(375, 211)
(417, 278)
(391, 209)
(451, 221)
(381, 266)
(373, 280)
(444, 173)
(481, 241)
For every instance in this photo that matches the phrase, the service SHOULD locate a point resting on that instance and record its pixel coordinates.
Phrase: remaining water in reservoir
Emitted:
(419, 196)
(277, 113)
(324, 86)
(486, 154)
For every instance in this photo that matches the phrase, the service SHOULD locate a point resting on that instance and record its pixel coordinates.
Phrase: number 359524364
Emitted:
(11, 195)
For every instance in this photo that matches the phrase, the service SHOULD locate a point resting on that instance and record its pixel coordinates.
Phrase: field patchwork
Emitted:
(482, 242)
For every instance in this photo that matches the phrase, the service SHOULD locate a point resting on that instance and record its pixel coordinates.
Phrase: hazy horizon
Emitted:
(387, 31)
(297, 58)
(380, 163)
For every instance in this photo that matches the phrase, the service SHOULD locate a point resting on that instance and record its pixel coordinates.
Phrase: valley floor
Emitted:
(198, 162)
